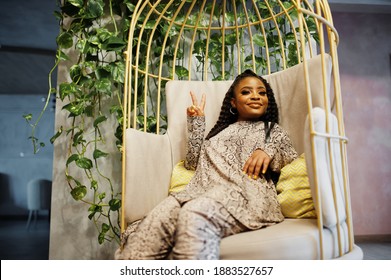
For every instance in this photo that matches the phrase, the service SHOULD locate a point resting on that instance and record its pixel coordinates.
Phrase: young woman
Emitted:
(232, 190)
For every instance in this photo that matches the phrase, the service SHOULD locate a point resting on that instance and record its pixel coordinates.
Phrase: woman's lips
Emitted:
(255, 105)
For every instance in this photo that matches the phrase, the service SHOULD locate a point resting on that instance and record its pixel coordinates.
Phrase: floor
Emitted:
(19, 243)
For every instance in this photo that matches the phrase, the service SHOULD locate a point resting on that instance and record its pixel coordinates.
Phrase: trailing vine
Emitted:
(96, 32)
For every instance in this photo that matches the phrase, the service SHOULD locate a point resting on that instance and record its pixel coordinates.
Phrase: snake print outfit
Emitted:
(219, 201)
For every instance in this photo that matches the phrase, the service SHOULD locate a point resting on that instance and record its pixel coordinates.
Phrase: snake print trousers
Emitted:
(193, 231)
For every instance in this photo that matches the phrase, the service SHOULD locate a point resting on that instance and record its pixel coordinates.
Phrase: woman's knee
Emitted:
(197, 236)
(197, 213)
(203, 205)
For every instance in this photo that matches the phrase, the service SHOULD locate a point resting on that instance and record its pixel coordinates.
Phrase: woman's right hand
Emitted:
(196, 110)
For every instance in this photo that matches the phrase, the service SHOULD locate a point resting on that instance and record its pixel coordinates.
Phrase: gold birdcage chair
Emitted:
(178, 46)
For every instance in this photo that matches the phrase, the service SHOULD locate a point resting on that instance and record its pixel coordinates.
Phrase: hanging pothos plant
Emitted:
(96, 31)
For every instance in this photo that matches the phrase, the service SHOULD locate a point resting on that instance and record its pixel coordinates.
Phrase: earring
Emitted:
(232, 111)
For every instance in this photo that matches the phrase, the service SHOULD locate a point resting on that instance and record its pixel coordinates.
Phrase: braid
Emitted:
(226, 117)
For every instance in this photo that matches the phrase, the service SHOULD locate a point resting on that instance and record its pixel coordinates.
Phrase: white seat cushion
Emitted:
(293, 239)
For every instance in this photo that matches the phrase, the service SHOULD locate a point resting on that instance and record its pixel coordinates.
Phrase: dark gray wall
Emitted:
(28, 31)
(18, 164)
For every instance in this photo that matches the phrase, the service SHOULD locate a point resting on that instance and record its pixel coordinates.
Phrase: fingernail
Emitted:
(255, 177)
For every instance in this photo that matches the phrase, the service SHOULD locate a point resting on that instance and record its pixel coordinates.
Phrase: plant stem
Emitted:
(34, 126)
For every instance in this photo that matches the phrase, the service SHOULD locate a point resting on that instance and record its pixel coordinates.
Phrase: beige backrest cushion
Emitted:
(325, 171)
(290, 93)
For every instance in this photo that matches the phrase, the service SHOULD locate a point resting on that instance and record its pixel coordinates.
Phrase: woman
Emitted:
(232, 190)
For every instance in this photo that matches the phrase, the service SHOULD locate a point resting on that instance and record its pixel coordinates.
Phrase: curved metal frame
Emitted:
(187, 20)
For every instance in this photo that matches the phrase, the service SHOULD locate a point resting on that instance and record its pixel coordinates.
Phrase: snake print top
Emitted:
(219, 161)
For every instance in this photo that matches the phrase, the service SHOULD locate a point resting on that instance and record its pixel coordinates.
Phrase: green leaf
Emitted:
(199, 47)
(103, 34)
(58, 15)
(115, 204)
(28, 117)
(262, 5)
(103, 85)
(94, 40)
(98, 153)
(102, 72)
(114, 44)
(102, 196)
(94, 184)
(130, 7)
(76, 3)
(181, 71)
(75, 73)
(64, 40)
(150, 24)
(69, 10)
(118, 72)
(55, 136)
(259, 40)
(66, 89)
(94, 9)
(94, 209)
(230, 39)
(78, 138)
(105, 227)
(89, 109)
(290, 37)
(101, 237)
(84, 163)
(79, 192)
(99, 120)
(229, 17)
(60, 55)
(72, 158)
(83, 46)
(76, 109)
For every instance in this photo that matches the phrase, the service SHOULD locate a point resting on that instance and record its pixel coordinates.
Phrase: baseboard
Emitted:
(21, 217)
(372, 238)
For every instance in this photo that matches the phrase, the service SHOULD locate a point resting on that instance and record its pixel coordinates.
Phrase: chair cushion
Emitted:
(324, 155)
(294, 192)
(292, 239)
(180, 177)
(290, 93)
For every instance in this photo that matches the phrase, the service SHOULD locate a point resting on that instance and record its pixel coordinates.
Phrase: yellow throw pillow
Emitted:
(180, 177)
(293, 190)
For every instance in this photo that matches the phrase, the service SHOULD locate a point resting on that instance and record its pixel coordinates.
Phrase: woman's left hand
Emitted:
(195, 110)
(257, 163)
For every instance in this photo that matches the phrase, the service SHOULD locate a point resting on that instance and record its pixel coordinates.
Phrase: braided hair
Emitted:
(226, 117)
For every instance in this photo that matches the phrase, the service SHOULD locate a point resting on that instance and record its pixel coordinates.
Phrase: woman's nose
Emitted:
(255, 96)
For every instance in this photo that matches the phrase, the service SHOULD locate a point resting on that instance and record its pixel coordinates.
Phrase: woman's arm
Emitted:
(196, 131)
(280, 149)
(274, 153)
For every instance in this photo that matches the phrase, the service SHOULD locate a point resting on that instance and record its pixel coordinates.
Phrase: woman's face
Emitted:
(250, 99)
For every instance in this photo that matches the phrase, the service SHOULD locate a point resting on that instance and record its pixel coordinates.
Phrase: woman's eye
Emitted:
(245, 92)
(263, 93)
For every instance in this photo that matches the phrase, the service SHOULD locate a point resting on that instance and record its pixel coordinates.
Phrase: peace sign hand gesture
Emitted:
(195, 110)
